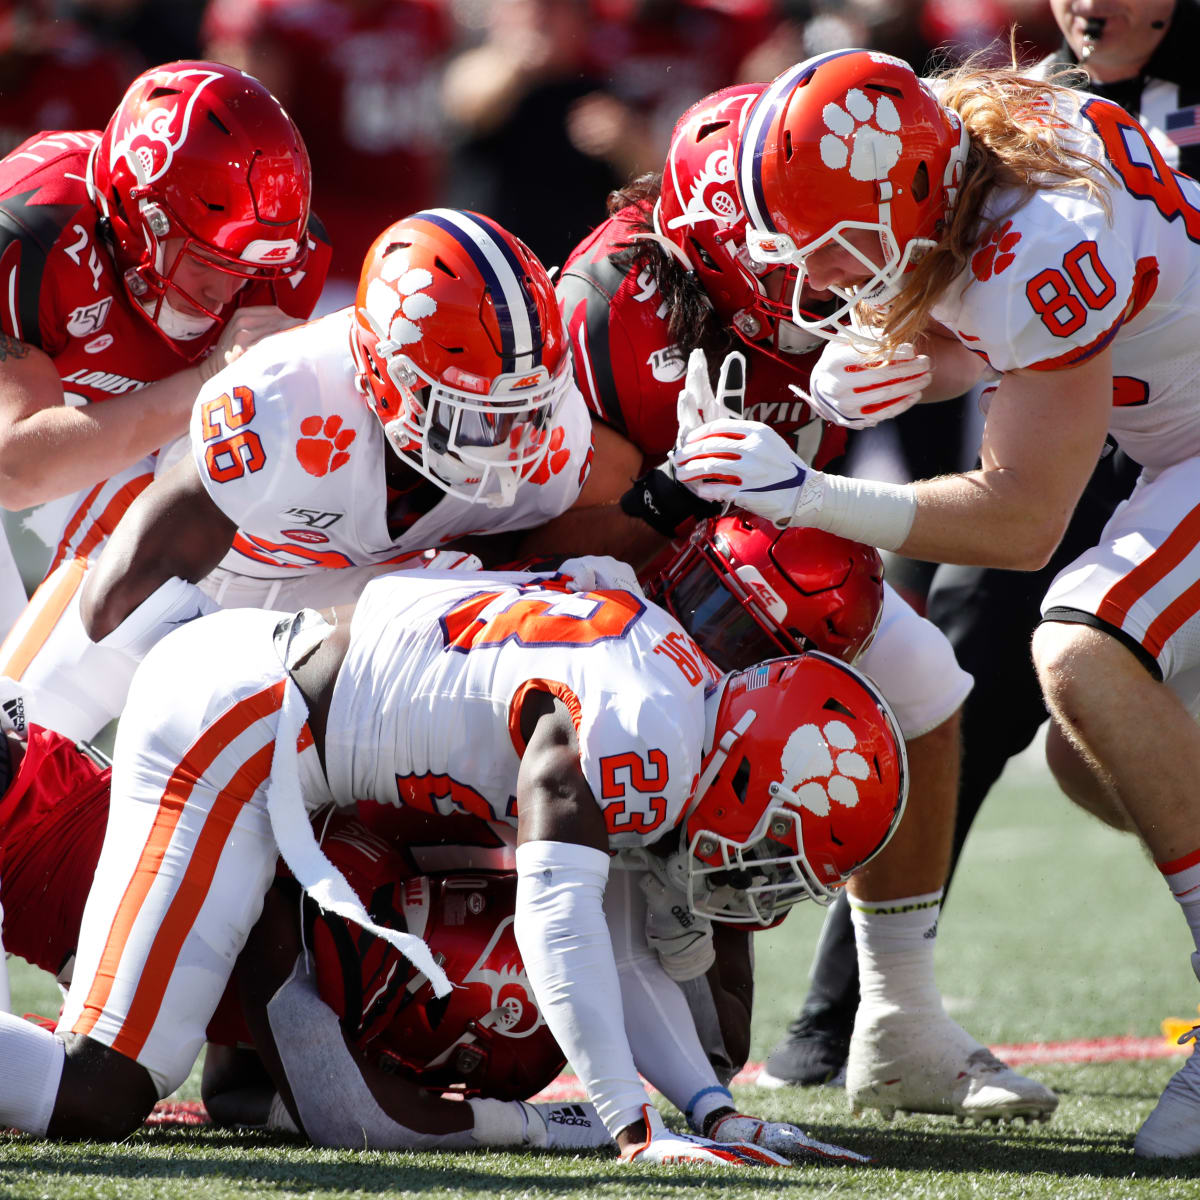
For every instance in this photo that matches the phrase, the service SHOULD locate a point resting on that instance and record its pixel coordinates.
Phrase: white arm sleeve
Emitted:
(568, 956)
(660, 1027)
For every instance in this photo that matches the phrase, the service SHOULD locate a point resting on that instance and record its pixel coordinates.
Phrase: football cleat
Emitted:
(923, 1062)
(813, 1052)
(1172, 1130)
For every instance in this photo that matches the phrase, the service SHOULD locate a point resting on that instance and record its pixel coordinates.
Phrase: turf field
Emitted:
(1058, 930)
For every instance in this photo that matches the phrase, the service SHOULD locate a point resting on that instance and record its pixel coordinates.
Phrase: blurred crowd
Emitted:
(528, 110)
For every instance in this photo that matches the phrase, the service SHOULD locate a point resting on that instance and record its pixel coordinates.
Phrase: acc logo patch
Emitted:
(312, 536)
(97, 344)
(88, 319)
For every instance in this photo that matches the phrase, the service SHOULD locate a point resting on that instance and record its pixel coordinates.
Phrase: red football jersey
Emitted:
(630, 372)
(62, 293)
(52, 821)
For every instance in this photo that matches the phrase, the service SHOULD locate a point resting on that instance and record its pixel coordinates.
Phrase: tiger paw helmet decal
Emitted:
(863, 135)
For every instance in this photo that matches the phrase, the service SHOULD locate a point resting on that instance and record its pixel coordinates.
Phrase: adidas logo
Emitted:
(569, 1114)
(14, 712)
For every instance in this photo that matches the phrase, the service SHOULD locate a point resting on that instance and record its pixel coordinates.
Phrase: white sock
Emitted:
(895, 940)
(33, 1063)
(1183, 878)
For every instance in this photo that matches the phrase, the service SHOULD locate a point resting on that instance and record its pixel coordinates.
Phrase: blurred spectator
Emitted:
(657, 57)
(53, 75)
(156, 31)
(527, 111)
(360, 78)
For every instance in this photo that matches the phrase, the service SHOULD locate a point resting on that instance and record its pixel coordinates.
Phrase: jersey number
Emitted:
(229, 450)
(577, 619)
(614, 770)
(1059, 296)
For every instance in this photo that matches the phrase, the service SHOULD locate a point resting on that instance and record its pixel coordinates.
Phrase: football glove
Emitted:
(682, 940)
(664, 1146)
(849, 388)
(656, 497)
(746, 463)
(789, 1140)
(599, 573)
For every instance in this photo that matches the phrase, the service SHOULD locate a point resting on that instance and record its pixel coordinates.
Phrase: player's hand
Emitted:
(574, 1126)
(682, 940)
(664, 1146)
(858, 390)
(746, 463)
(789, 1140)
(600, 573)
(698, 403)
(245, 327)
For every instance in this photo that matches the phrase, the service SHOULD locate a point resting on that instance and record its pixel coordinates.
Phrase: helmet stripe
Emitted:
(752, 144)
(520, 324)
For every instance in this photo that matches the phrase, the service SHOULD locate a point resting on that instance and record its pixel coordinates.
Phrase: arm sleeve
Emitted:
(661, 1031)
(568, 956)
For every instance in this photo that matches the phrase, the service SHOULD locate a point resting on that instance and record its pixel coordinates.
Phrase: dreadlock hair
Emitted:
(691, 320)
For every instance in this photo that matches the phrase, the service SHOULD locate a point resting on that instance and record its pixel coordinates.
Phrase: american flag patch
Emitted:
(1183, 126)
(757, 678)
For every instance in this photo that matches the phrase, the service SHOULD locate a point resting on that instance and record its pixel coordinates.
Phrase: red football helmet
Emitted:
(845, 141)
(488, 1035)
(747, 591)
(199, 153)
(461, 351)
(806, 781)
(699, 213)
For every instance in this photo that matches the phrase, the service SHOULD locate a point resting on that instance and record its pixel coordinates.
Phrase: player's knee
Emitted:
(1059, 655)
(103, 1096)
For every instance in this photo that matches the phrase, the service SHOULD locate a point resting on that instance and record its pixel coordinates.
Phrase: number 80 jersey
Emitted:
(426, 708)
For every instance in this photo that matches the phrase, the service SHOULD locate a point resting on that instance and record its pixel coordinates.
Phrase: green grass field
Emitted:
(1057, 929)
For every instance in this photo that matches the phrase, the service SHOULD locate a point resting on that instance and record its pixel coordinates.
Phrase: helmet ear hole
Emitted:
(920, 183)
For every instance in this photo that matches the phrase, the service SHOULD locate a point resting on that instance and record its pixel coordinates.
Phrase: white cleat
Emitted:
(923, 1062)
(1172, 1130)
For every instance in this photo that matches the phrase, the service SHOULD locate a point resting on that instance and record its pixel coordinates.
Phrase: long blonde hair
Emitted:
(1015, 144)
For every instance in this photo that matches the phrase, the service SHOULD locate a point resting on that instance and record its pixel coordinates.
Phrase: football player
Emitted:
(441, 404)
(586, 722)
(1033, 236)
(53, 810)
(658, 292)
(137, 261)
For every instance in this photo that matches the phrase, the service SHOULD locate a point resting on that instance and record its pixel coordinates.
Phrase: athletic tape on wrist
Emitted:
(864, 510)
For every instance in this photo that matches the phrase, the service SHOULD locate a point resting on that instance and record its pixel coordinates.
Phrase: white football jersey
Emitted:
(1061, 278)
(290, 452)
(425, 708)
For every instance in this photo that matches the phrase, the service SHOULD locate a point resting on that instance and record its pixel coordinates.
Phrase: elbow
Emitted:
(1035, 550)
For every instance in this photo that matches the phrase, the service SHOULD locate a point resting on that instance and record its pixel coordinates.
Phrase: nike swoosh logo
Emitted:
(187, 620)
(795, 482)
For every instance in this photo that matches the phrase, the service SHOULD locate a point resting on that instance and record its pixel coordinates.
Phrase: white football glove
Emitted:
(745, 463)
(663, 1146)
(575, 1126)
(698, 404)
(858, 390)
(600, 573)
(442, 560)
(781, 1138)
(682, 940)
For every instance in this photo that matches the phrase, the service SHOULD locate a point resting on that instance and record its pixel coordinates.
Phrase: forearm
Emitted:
(565, 945)
(60, 449)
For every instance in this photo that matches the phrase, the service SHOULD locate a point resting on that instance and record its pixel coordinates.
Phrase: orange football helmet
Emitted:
(845, 141)
(461, 351)
(747, 591)
(199, 152)
(806, 781)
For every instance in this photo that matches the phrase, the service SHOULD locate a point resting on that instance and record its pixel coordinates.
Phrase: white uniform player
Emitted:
(424, 701)
(328, 483)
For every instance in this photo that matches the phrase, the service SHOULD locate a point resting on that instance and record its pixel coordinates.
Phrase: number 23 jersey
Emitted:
(291, 454)
(426, 708)
(1060, 279)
